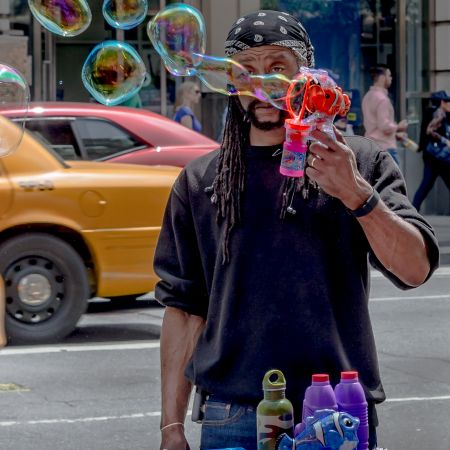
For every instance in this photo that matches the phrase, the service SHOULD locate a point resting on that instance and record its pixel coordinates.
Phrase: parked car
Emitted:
(90, 131)
(73, 230)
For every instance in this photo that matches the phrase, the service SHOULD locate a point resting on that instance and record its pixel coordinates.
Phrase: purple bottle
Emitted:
(351, 399)
(319, 395)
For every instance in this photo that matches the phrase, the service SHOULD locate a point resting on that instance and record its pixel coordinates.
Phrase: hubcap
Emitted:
(34, 289)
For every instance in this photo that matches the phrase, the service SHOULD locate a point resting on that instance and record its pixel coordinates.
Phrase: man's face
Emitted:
(387, 79)
(267, 59)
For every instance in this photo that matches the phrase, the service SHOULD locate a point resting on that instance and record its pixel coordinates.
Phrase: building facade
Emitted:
(411, 36)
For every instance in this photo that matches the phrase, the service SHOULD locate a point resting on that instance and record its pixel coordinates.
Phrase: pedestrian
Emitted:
(260, 271)
(436, 149)
(188, 95)
(378, 112)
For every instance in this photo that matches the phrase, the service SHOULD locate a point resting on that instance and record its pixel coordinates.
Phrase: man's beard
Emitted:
(265, 126)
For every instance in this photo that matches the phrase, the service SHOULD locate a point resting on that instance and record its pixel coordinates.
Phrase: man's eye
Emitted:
(278, 69)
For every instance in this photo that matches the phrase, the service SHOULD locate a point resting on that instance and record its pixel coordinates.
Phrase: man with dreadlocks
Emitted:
(259, 271)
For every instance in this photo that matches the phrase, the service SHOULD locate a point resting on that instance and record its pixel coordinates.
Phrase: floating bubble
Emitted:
(62, 17)
(226, 76)
(178, 34)
(124, 14)
(14, 95)
(113, 72)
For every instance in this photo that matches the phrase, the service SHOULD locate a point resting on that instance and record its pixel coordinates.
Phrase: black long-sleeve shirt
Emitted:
(294, 295)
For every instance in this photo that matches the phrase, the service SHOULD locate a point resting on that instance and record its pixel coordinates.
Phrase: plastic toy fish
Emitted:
(327, 429)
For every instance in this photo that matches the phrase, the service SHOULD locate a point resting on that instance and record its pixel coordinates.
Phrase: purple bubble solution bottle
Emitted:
(350, 398)
(319, 395)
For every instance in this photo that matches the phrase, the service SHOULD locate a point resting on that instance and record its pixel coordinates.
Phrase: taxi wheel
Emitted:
(46, 287)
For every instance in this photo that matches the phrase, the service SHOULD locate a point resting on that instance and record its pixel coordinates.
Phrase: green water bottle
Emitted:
(275, 414)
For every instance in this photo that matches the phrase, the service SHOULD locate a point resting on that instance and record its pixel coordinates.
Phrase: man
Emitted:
(259, 271)
(378, 112)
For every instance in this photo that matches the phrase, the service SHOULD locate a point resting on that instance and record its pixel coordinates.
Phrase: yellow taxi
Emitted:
(70, 231)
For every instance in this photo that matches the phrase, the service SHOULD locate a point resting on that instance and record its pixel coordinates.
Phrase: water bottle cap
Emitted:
(274, 381)
(320, 377)
(349, 375)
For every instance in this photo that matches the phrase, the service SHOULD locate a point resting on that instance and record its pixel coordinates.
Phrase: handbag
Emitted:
(439, 150)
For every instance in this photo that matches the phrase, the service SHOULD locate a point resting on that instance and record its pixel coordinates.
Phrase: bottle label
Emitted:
(270, 427)
(293, 163)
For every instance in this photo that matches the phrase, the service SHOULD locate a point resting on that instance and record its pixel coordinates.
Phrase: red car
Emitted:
(89, 131)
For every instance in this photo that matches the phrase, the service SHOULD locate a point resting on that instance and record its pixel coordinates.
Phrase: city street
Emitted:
(99, 388)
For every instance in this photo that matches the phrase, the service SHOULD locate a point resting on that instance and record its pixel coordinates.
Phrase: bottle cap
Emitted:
(320, 377)
(296, 125)
(274, 380)
(349, 375)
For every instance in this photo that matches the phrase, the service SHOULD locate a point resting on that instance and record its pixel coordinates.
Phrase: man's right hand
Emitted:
(402, 125)
(173, 439)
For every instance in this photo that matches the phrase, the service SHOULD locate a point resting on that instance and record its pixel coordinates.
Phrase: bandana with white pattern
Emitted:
(270, 28)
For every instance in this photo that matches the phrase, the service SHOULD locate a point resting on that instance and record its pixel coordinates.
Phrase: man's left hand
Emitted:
(332, 165)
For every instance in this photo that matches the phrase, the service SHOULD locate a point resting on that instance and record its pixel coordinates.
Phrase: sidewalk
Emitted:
(441, 225)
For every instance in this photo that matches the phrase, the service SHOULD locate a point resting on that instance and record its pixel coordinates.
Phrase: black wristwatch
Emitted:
(367, 206)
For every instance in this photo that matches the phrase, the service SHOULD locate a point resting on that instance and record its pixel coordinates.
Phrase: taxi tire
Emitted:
(74, 282)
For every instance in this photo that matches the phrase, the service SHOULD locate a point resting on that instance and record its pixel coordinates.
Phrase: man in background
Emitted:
(378, 112)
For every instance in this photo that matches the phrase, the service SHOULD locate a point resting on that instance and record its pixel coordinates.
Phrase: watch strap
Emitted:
(367, 206)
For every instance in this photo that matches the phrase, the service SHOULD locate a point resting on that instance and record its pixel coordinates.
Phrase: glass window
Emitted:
(58, 134)
(102, 139)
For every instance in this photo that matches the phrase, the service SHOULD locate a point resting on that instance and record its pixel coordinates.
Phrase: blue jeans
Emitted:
(228, 425)
(432, 169)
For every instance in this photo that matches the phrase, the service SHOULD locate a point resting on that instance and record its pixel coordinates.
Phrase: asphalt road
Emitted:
(99, 389)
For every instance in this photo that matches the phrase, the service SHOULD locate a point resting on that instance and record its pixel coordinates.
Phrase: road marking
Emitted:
(417, 399)
(80, 419)
(441, 272)
(12, 423)
(77, 348)
(415, 297)
(12, 387)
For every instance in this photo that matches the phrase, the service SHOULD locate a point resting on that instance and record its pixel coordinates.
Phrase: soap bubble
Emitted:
(124, 14)
(113, 72)
(14, 95)
(178, 34)
(62, 17)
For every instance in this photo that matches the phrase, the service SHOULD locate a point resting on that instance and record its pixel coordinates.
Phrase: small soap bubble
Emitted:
(62, 17)
(124, 14)
(14, 95)
(178, 34)
(113, 72)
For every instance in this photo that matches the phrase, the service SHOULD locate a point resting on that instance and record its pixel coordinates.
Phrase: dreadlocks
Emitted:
(229, 181)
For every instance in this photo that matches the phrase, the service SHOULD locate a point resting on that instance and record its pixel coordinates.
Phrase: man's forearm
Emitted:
(179, 335)
(397, 244)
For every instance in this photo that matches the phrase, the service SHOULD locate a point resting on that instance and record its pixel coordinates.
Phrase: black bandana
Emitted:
(270, 28)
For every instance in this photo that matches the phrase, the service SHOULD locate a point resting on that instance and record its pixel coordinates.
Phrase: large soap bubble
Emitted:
(124, 14)
(178, 34)
(14, 96)
(62, 17)
(113, 72)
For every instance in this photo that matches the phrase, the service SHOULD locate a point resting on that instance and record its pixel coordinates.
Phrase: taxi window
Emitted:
(102, 139)
(58, 134)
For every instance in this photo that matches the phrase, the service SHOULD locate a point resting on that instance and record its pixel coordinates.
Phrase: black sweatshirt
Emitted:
(294, 295)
